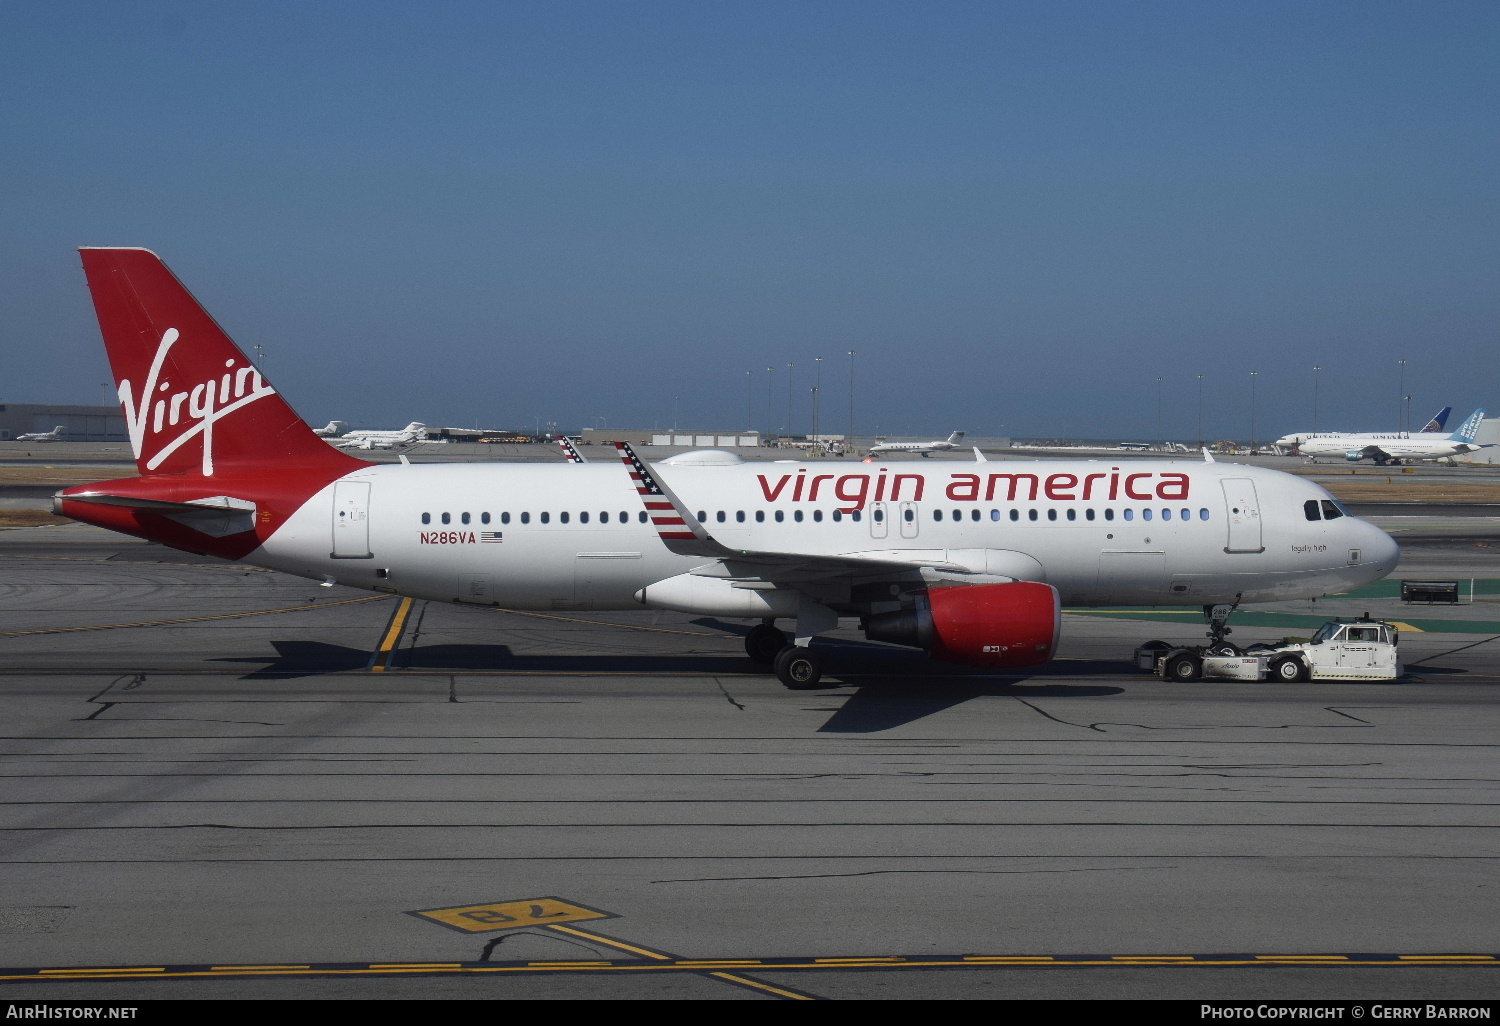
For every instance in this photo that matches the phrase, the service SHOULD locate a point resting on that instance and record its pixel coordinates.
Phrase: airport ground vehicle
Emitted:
(1363, 649)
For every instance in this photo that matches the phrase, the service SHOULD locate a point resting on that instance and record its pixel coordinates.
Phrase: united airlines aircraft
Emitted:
(969, 562)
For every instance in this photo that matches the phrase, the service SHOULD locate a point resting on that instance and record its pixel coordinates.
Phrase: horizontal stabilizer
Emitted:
(217, 516)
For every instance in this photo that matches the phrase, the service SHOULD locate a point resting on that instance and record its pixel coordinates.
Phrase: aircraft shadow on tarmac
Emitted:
(891, 687)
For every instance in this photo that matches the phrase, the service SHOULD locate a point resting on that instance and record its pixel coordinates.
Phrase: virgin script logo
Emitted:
(206, 403)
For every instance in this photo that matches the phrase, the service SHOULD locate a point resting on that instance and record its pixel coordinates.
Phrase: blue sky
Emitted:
(1019, 214)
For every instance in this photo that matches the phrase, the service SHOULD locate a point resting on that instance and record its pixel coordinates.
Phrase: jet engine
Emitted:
(978, 624)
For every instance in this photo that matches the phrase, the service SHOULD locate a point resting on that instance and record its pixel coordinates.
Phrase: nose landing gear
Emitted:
(1217, 617)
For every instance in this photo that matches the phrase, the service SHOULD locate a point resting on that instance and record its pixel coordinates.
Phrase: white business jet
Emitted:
(921, 448)
(334, 429)
(413, 432)
(57, 434)
(970, 566)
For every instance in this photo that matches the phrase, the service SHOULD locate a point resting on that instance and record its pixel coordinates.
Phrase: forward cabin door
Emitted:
(1243, 511)
(351, 520)
(879, 525)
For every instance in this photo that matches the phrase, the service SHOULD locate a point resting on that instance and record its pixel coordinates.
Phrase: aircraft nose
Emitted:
(1380, 551)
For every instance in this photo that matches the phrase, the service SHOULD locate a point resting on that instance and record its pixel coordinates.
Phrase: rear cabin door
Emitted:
(1243, 511)
(351, 520)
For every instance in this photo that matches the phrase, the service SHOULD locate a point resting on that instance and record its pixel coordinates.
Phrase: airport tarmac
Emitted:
(226, 782)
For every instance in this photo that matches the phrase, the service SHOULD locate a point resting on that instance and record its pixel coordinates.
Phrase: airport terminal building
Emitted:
(83, 423)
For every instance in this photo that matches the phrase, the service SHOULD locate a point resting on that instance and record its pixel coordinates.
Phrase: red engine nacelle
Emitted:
(978, 624)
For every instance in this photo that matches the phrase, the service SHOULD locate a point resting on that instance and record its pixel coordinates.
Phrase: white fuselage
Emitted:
(561, 536)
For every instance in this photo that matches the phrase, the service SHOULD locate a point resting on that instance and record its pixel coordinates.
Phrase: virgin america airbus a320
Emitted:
(969, 562)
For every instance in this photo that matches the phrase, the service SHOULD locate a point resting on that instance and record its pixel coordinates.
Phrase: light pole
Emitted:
(749, 399)
(1400, 391)
(789, 400)
(1158, 412)
(849, 442)
(770, 386)
(1253, 376)
(817, 393)
(674, 415)
(259, 355)
(1200, 411)
(1316, 367)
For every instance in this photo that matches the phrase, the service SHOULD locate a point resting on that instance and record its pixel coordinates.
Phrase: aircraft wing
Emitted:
(1374, 452)
(681, 532)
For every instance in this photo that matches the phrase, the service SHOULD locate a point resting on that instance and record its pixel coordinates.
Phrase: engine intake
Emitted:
(978, 624)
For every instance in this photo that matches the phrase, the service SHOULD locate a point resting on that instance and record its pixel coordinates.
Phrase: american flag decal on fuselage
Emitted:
(669, 523)
(490, 537)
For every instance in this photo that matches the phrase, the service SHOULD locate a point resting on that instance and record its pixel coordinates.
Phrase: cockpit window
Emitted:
(1310, 510)
(1326, 632)
(1332, 510)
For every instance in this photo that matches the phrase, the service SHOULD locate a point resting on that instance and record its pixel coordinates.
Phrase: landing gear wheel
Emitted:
(1288, 671)
(1223, 648)
(764, 643)
(1185, 668)
(799, 668)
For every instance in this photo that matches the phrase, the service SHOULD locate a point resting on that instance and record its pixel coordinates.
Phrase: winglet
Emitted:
(570, 450)
(1208, 457)
(679, 529)
(979, 456)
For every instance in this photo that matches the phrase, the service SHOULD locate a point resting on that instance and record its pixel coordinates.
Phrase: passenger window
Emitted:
(505, 518)
(1031, 514)
(625, 517)
(447, 519)
(856, 516)
(426, 518)
(1187, 514)
(837, 516)
(1072, 513)
(1109, 514)
(1088, 514)
(994, 514)
(583, 517)
(525, 518)
(603, 517)
(973, 514)
(1166, 514)
(484, 518)
(1052, 514)
(818, 515)
(797, 516)
(719, 516)
(760, 516)
(1331, 510)
(937, 514)
(958, 514)
(463, 518)
(1310, 510)
(739, 516)
(643, 517)
(546, 517)
(1015, 514)
(1128, 514)
(1145, 515)
(702, 517)
(780, 515)
(1203, 514)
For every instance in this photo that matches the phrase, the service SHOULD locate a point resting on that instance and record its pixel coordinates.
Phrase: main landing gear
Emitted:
(796, 666)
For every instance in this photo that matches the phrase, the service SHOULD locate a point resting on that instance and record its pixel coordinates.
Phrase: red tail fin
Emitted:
(193, 402)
